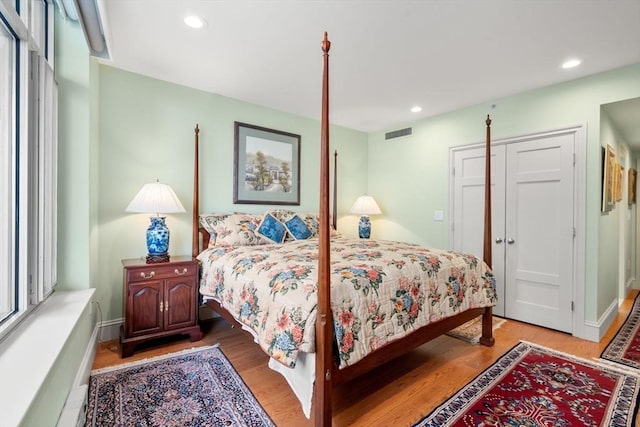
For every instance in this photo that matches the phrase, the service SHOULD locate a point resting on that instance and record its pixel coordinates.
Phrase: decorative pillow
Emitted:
(297, 228)
(210, 221)
(282, 215)
(272, 229)
(232, 229)
(311, 221)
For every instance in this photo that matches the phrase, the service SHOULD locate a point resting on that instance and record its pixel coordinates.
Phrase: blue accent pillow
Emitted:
(272, 229)
(297, 228)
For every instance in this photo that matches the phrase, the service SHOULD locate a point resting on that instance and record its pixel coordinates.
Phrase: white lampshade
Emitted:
(365, 205)
(155, 198)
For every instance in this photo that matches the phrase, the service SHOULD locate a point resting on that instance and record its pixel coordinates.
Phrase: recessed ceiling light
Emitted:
(571, 63)
(416, 109)
(194, 21)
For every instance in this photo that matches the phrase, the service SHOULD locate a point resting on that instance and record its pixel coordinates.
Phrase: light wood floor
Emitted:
(396, 394)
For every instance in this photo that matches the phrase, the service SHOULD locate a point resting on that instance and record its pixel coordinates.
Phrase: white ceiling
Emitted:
(386, 55)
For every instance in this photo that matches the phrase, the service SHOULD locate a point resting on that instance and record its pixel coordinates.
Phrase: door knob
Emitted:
(510, 241)
(499, 240)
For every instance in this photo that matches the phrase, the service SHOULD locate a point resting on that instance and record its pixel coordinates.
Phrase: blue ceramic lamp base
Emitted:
(157, 240)
(364, 227)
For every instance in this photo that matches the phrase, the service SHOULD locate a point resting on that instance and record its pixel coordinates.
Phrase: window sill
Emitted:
(28, 354)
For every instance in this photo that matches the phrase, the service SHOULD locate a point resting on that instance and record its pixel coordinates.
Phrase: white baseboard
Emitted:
(594, 331)
(110, 330)
(629, 286)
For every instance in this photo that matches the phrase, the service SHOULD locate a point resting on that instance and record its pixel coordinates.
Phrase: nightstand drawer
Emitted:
(151, 271)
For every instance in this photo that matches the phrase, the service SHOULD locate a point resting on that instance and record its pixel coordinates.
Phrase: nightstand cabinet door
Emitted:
(143, 308)
(181, 299)
(159, 299)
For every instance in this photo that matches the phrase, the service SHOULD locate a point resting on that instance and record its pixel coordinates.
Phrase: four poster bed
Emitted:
(328, 307)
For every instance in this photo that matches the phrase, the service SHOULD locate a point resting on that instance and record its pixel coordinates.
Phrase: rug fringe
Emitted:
(593, 361)
(153, 359)
(627, 369)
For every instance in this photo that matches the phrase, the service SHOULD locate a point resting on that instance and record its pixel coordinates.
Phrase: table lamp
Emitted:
(365, 206)
(156, 198)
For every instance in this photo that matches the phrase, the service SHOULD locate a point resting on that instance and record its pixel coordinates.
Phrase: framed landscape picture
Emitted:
(633, 174)
(608, 178)
(618, 181)
(266, 167)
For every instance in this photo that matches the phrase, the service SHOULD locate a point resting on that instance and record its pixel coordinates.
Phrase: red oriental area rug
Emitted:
(624, 348)
(535, 386)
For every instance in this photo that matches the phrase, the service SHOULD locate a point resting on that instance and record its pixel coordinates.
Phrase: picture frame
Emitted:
(631, 186)
(608, 176)
(618, 182)
(266, 166)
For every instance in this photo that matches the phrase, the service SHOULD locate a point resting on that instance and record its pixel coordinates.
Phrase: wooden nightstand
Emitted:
(159, 300)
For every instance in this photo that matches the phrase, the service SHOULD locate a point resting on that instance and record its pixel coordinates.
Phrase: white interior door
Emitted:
(539, 231)
(532, 224)
(468, 211)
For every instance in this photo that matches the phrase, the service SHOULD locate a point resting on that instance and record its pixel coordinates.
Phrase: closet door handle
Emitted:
(510, 241)
(499, 240)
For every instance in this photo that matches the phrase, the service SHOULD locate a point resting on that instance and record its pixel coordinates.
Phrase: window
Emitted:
(42, 178)
(7, 171)
(37, 24)
(28, 159)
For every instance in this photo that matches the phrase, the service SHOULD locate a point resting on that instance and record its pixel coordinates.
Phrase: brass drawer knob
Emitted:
(180, 273)
(147, 276)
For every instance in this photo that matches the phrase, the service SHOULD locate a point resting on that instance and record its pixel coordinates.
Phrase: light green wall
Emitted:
(147, 133)
(94, 168)
(409, 196)
(608, 274)
(72, 75)
(620, 221)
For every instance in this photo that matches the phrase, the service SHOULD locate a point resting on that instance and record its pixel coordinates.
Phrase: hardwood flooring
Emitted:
(396, 394)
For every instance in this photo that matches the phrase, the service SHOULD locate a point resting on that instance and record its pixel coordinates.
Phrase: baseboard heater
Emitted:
(75, 408)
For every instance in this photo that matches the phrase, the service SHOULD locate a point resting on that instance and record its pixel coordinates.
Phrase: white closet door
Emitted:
(468, 208)
(539, 231)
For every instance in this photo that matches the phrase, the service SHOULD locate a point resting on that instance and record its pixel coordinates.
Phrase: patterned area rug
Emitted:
(624, 348)
(196, 387)
(472, 330)
(535, 386)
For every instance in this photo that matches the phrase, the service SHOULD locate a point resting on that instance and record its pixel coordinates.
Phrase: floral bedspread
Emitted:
(380, 291)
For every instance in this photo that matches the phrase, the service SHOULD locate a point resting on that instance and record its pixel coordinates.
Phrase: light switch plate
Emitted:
(438, 215)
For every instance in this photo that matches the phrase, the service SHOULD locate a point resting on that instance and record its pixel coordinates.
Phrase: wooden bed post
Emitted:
(324, 324)
(486, 254)
(334, 220)
(195, 240)
(487, 318)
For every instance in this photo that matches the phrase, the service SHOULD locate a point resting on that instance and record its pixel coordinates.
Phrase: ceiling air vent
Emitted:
(397, 133)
